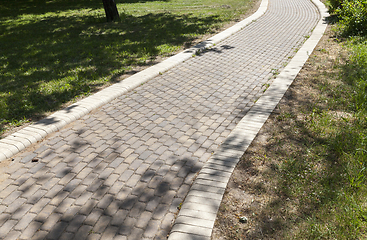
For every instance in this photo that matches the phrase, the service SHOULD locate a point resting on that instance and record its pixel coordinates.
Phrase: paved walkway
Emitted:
(123, 171)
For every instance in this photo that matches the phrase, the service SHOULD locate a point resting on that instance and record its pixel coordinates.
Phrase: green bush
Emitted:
(334, 5)
(353, 16)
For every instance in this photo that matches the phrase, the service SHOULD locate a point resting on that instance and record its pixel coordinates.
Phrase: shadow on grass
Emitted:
(311, 169)
(15, 8)
(50, 59)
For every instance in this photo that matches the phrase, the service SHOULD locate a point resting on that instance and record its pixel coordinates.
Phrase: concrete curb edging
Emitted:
(16, 142)
(197, 216)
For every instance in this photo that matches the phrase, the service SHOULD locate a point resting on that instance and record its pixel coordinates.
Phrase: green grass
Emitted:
(53, 52)
(324, 174)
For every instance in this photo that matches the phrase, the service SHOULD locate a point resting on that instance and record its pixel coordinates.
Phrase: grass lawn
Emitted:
(53, 52)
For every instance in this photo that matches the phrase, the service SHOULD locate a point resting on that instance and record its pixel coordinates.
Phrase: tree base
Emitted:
(111, 10)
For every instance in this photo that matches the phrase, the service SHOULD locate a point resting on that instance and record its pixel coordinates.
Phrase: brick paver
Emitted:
(123, 171)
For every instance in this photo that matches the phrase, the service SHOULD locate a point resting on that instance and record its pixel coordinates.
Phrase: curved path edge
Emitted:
(18, 141)
(196, 218)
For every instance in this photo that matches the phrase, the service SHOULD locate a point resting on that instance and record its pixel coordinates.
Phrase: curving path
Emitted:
(124, 170)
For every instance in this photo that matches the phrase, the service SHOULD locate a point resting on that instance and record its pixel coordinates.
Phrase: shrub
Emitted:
(334, 5)
(353, 16)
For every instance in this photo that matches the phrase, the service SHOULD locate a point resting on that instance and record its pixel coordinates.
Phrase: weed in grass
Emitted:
(323, 50)
(285, 115)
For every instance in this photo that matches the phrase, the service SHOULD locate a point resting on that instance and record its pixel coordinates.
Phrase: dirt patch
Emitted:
(253, 206)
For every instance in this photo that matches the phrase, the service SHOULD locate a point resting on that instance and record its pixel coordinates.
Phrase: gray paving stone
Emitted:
(101, 224)
(51, 221)
(105, 201)
(136, 233)
(15, 205)
(30, 230)
(126, 175)
(75, 223)
(83, 232)
(40, 235)
(28, 158)
(11, 197)
(84, 173)
(4, 218)
(151, 229)
(21, 211)
(160, 211)
(93, 217)
(6, 227)
(40, 205)
(66, 236)
(18, 173)
(85, 209)
(113, 208)
(127, 226)
(137, 209)
(144, 219)
(57, 199)
(110, 232)
(24, 186)
(119, 218)
(57, 230)
(133, 180)
(12, 235)
(153, 203)
(65, 205)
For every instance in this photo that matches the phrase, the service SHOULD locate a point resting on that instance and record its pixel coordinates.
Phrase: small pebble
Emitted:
(243, 219)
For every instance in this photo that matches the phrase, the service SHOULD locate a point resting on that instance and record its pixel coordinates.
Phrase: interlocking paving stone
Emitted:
(123, 170)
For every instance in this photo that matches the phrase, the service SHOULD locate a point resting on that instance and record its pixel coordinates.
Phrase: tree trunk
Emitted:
(111, 10)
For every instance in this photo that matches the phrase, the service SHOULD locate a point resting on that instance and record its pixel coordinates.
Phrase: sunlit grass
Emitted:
(325, 177)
